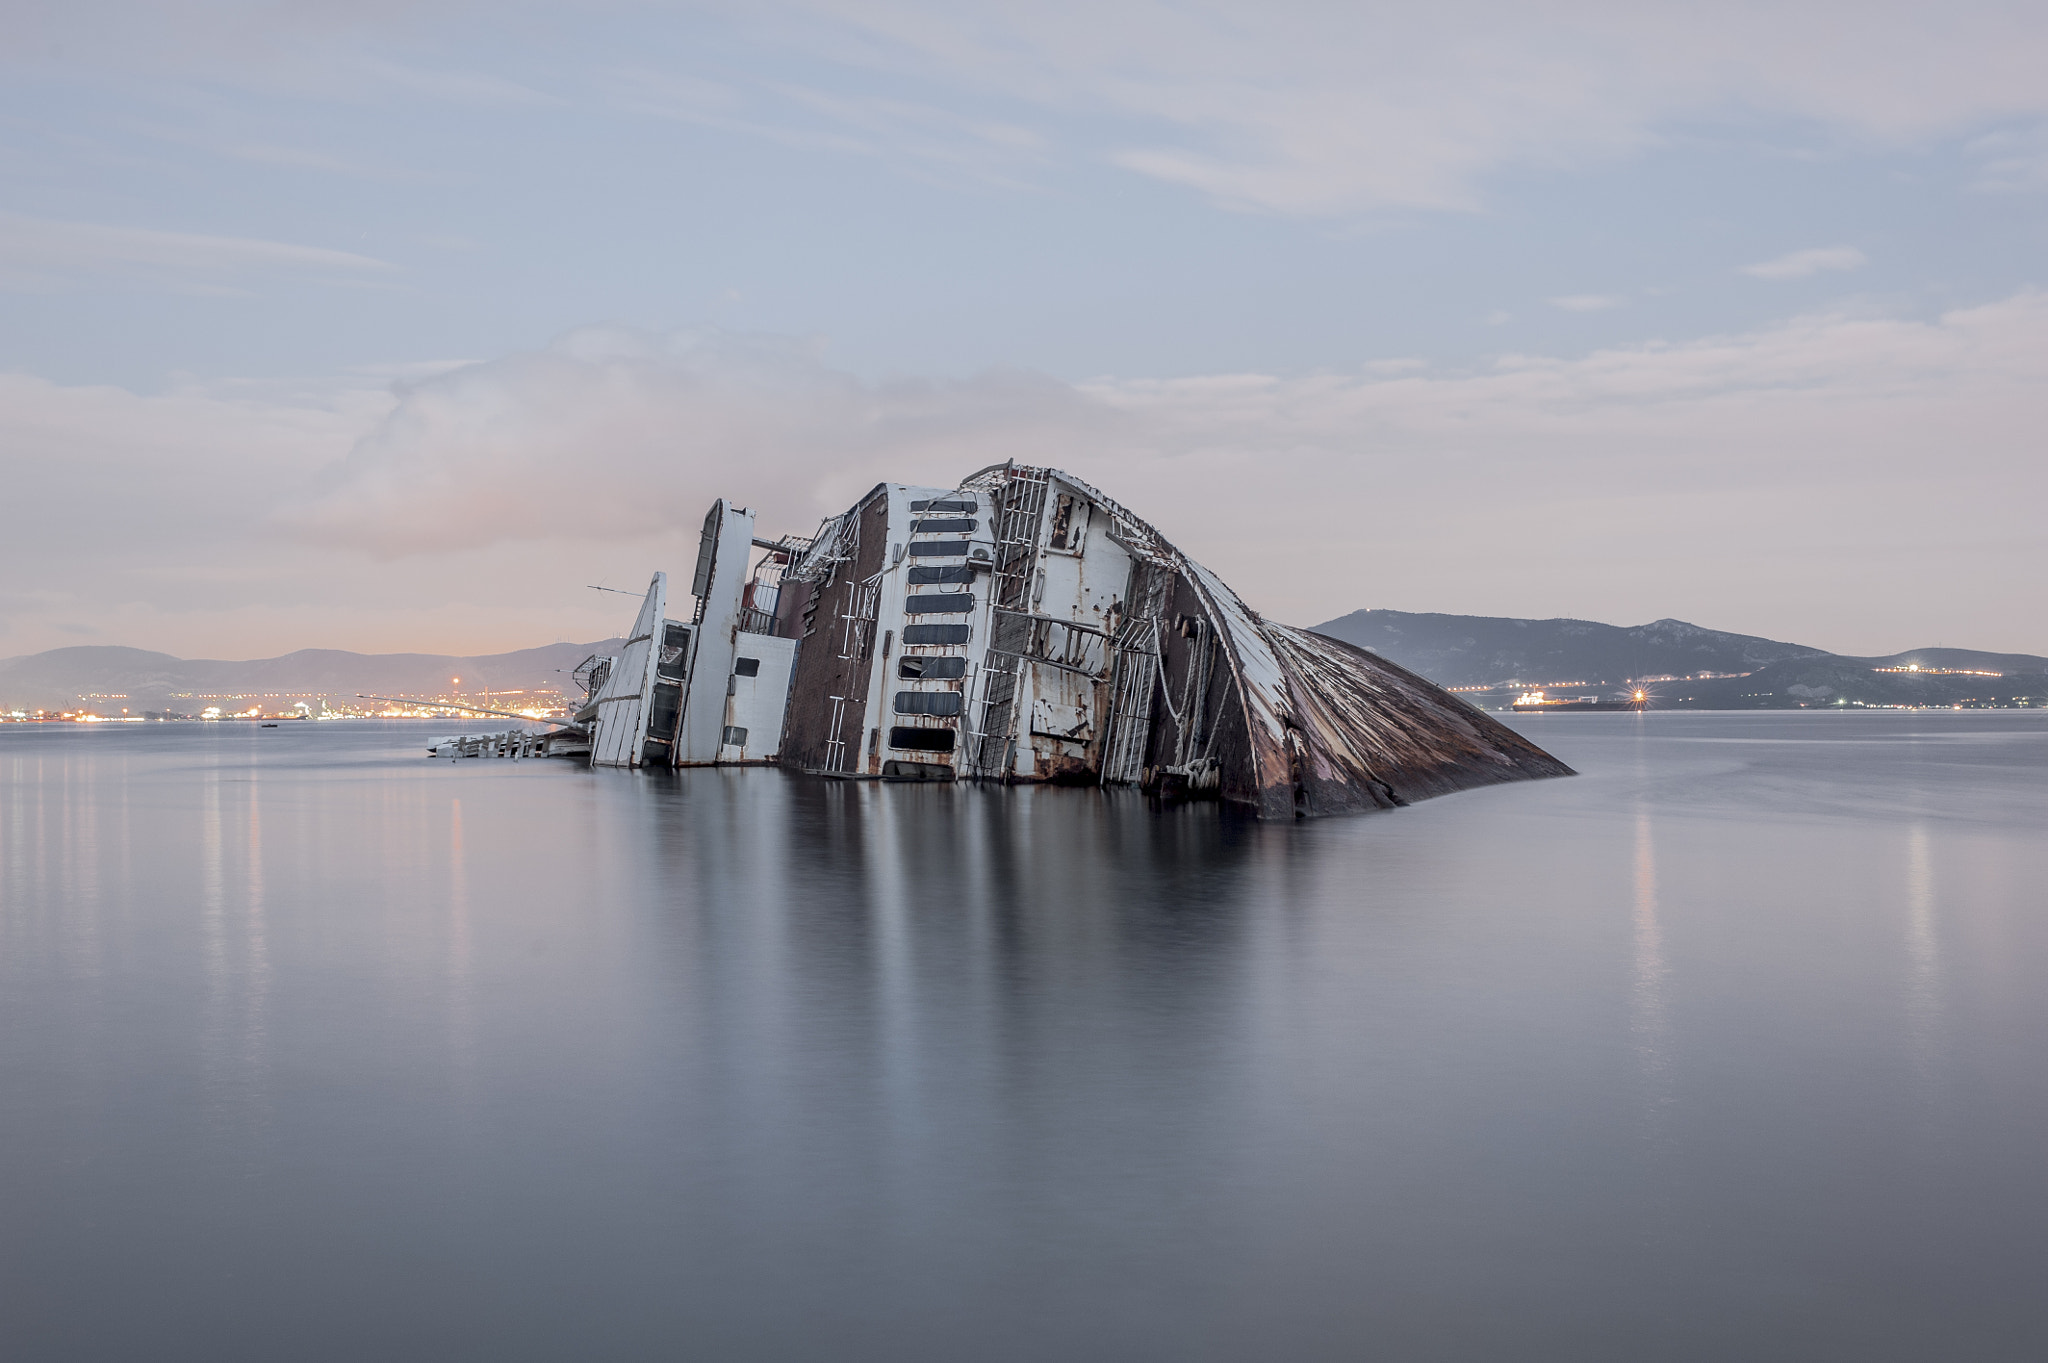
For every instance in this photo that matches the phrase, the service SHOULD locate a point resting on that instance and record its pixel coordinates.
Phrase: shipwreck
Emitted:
(1019, 627)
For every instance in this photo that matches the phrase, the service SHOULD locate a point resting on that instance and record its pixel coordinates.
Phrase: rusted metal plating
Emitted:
(1101, 653)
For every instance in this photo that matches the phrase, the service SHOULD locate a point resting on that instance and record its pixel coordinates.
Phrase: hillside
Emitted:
(1463, 651)
(1476, 650)
(135, 679)
(1468, 651)
(1831, 680)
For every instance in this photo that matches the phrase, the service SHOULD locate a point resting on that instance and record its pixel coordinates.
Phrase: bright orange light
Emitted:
(1639, 695)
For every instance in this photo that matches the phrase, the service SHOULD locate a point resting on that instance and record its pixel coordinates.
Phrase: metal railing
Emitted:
(1018, 507)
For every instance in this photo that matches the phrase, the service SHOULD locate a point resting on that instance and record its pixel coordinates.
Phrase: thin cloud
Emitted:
(477, 88)
(1767, 475)
(269, 153)
(1589, 302)
(923, 137)
(1294, 107)
(671, 416)
(306, 158)
(1800, 264)
(2012, 159)
(1303, 108)
(49, 252)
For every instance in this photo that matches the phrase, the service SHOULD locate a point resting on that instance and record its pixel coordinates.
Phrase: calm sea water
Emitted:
(1735, 1045)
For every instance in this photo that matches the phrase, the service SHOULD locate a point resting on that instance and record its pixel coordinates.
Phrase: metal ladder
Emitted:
(1128, 728)
(1019, 515)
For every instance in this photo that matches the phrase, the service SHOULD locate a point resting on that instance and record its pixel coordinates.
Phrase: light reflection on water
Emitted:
(1649, 1023)
(312, 1047)
(1923, 954)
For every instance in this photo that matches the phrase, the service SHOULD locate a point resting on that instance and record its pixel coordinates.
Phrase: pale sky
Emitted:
(389, 326)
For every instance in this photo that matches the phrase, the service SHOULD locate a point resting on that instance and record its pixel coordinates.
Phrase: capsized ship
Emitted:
(1019, 627)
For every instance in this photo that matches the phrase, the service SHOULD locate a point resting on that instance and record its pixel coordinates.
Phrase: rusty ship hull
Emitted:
(1023, 626)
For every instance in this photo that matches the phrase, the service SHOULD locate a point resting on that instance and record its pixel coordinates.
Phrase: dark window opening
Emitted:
(945, 635)
(735, 737)
(952, 572)
(945, 527)
(746, 667)
(675, 649)
(932, 669)
(927, 703)
(707, 551)
(1063, 524)
(938, 548)
(662, 713)
(892, 770)
(906, 739)
(939, 603)
(942, 504)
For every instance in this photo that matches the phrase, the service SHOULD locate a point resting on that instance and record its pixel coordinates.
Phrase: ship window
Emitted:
(927, 702)
(952, 572)
(942, 504)
(939, 603)
(931, 669)
(906, 739)
(661, 715)
(945, 635)
(946, 527)
(938, 549)
(675, 647)
(735, 737)
(746, 667)
(1062, 521)
(916, 771)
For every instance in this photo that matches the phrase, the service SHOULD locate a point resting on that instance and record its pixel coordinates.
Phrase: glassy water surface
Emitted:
(1734, 1045)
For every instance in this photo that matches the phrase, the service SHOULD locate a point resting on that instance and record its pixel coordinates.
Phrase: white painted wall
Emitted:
(711, 645)
(756, 704)
(891, 619)
(620, 729)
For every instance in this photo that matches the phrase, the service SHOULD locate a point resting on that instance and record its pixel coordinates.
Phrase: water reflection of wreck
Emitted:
(1019, 627)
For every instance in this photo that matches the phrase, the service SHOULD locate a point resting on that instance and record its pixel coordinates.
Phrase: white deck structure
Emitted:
(702, 692)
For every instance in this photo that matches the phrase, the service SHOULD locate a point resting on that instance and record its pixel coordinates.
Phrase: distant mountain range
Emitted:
(1581, 657)
(1566, 657)
(111, 680)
